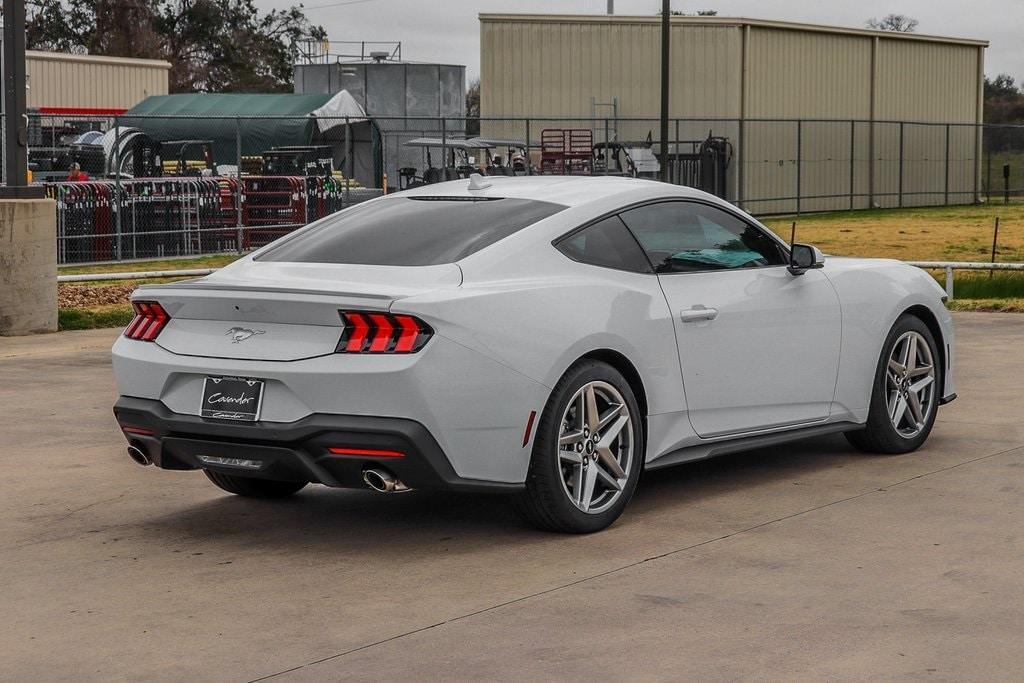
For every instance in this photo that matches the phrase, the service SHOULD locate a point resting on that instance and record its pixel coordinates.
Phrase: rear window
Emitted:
(412, 231)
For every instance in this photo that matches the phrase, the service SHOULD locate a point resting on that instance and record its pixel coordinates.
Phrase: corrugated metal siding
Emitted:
(793, 74)
(555, 68)
(67, 81)
(551, 66)
(927, 82)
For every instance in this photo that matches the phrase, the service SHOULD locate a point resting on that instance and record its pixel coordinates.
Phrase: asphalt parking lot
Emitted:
(802, 561)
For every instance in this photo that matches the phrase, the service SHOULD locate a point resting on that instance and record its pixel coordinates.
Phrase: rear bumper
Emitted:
(295, 451)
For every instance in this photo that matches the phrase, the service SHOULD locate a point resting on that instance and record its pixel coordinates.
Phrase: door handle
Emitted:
(697, 314)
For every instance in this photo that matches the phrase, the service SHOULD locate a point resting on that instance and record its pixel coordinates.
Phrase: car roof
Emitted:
(565, 190)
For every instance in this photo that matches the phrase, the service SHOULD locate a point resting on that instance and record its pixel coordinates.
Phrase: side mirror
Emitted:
(804, 257)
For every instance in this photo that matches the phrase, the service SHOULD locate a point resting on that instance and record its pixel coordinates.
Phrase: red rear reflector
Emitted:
(375, 332)
(366, 452)
(141, 431)
(150, 319)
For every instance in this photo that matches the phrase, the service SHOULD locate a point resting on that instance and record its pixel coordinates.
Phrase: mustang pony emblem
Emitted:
(240, 334)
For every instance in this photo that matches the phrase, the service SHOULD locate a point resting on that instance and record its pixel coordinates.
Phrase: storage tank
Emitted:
(390, 89)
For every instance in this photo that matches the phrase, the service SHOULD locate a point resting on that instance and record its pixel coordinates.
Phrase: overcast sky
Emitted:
(448, 30)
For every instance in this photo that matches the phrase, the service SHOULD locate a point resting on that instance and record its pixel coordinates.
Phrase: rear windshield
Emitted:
(412, 231)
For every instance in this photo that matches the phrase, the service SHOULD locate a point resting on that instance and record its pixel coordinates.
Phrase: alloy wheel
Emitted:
(910, 384)
(595, 447)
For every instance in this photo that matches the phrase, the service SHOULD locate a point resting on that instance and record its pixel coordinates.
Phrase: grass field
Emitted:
(957, 233)
(946, 233)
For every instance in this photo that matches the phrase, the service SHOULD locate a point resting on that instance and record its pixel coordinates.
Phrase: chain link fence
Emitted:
(135, 187)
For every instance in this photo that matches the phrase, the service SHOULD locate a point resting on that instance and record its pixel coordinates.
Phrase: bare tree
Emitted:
(899, 23)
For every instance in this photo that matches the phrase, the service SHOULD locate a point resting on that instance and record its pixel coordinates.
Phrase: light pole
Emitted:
(15, 124)
(666, 12)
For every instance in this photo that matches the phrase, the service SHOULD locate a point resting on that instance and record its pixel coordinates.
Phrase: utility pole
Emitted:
(666, 13)
(15, 123)
(611, 6)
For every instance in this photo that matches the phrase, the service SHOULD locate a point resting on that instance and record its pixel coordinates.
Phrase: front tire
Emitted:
(905, 397)
(587, 453)
(251, 487)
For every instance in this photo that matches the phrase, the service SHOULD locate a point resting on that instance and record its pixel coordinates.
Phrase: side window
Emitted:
(606, 243)
(681, 237)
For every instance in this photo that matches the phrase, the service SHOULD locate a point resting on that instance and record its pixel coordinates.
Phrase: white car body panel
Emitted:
(512, 317)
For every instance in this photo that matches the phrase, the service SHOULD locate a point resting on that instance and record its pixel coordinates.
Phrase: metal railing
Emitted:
(950, 266)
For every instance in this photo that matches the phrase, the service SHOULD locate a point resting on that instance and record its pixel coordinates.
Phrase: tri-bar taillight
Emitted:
(376, 332)
(150, 318)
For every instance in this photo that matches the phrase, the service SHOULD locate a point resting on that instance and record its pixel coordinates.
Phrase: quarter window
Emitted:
(606, 243)
(680, 237)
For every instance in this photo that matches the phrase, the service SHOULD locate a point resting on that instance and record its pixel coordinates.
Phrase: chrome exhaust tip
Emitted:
(139, 455)
(383, 481)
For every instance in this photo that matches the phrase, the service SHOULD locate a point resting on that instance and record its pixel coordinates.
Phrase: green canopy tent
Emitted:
(263, 121)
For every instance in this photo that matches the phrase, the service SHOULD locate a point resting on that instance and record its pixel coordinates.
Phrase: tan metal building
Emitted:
(818, 117)
(70, 84)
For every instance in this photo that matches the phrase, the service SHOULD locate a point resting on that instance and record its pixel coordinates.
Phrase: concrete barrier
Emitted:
(28, 266)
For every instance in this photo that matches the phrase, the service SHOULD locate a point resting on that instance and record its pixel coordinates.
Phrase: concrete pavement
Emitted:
(802, 561)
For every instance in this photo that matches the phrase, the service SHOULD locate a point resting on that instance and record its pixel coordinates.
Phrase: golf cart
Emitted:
(633, 159)
(514, 161)
(456, 161)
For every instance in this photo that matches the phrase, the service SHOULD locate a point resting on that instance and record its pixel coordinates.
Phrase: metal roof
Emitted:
(729, 21)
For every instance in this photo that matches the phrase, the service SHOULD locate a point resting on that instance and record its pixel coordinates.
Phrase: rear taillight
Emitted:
(375, 332)
(150, 318)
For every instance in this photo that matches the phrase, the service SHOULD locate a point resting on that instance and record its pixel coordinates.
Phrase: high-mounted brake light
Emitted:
(375, 332)
(150, 319)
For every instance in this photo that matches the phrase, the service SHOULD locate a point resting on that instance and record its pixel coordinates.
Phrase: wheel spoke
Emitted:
(608, 480)
(587, 489)
(911, 353)
(920, 384)
(581, 411)
(569, 438)
(896, 367)
(613, 432)
(914, 410)
(608, 459)
(576, 481)
(571, 457)
(592, 416)
(921, 370)
(897, 406)
(608, 416)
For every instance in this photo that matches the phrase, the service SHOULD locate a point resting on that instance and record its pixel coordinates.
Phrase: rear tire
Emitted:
(900, 416)
(251, 487)
(587, 454)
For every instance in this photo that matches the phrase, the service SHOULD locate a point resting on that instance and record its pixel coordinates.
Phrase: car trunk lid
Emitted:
(281, 311)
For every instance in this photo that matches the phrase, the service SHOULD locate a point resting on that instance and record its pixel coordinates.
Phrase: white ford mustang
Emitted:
(547, 337)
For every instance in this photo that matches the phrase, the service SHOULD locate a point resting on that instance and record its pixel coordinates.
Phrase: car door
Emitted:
(758, 346)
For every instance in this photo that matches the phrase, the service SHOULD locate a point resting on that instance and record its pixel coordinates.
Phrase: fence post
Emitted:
(607, 147)
(444, 149)
(945, 192)
(901, 167)
(238, 183)
(117, 188)
(529, 163)
(853, 153)
(995, 242)
(949, 283)
(799, 159)
(675, 157)
(348, 163)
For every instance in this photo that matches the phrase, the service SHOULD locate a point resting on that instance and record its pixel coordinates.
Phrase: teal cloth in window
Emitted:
(724, 258)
